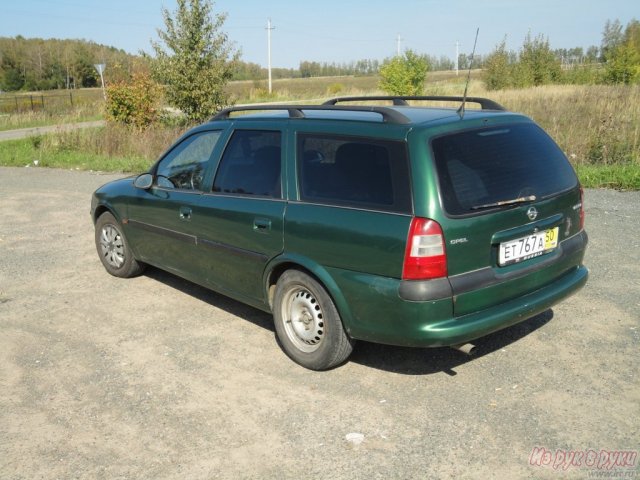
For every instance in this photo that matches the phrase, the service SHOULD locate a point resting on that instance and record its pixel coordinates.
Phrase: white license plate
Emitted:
(524, 248)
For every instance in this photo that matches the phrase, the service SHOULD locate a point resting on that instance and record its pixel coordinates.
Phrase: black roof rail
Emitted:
(485, 103)
(388, 115)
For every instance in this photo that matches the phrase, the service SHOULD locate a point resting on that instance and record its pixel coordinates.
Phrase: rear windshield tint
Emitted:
(481, 167)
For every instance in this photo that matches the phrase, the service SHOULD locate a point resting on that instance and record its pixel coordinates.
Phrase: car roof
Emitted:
(399, 113)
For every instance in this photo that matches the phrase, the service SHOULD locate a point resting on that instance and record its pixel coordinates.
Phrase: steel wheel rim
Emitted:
(303, 319)
(112, 246)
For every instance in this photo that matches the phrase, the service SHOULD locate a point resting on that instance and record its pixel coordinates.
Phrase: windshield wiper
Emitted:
(504, 203)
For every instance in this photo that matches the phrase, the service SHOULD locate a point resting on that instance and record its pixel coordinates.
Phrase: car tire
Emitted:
(113, 249)
(308, 326)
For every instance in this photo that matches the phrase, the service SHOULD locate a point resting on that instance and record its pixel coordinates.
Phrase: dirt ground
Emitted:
(154, 377)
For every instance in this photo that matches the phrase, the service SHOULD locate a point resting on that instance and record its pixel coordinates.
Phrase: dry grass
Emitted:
(597, 126)
(110, 148)
(593, 124)
(29, 119)
(115, 141)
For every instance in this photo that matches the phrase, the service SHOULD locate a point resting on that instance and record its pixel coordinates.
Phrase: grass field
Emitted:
(36, 109)
(317, 88)
(597, 126)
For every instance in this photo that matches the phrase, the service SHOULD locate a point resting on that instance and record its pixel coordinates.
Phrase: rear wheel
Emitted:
(308, 324)
(113, 249)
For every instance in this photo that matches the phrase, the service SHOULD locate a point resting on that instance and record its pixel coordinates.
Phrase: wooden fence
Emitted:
(45, 102)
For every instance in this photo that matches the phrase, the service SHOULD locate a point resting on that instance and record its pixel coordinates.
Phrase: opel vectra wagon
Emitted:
(397, 224)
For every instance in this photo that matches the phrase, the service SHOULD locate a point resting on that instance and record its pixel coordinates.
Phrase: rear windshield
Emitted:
(478, 168)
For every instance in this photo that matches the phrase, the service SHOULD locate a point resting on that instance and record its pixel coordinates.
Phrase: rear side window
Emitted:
(251, 164)
(366, 173)
(481, 167)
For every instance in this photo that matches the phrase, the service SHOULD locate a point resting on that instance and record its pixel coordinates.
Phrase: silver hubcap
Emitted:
(112, 246)
(303, 320)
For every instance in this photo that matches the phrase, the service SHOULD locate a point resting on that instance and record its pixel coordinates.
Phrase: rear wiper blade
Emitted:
(503, 203)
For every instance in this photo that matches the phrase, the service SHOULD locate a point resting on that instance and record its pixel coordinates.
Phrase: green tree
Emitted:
(497, 71)
(538, 65)
(12, 80)
(404, 75)
(623, 59)
(196, 60)
(612, 36)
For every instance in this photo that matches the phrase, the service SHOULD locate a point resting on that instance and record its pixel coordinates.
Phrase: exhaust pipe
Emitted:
(466, 348)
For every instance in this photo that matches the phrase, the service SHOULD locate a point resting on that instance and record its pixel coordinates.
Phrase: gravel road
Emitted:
(154, 377)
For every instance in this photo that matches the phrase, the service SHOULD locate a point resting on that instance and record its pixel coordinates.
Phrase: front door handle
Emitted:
(261, 224)
(185, 213)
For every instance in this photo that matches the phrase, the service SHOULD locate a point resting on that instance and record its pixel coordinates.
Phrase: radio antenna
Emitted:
(466, 87)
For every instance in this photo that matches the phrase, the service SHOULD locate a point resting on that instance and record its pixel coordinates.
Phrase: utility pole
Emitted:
(398, 40)
(457, 56)
(269, 28)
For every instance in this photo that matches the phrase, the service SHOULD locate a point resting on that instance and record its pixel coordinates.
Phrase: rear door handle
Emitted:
(261, 224)
(185, 213)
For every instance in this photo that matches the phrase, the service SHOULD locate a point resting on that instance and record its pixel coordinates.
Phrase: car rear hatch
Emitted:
(513, 210)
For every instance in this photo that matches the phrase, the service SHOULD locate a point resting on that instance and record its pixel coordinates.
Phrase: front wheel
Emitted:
(113, 249)
(307, 323)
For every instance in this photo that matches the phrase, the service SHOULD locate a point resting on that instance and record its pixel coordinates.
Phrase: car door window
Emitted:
(355, 172)
(251, 164)
(183, 168)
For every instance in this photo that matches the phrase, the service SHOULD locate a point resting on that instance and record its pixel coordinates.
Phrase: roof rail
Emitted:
(484, 103)
(388, 115)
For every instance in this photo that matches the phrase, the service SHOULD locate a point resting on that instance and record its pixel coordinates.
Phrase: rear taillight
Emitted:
(425, 256)
(581, 209)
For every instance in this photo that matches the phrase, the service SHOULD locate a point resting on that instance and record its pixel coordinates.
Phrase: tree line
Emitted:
(32, 64)
(617, 60)
(38, 64)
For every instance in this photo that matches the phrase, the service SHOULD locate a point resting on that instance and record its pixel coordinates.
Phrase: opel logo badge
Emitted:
(532, 213)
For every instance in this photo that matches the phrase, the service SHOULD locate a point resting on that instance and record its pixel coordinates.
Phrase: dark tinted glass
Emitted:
(480, 167)
(348, 171)
(250, 164)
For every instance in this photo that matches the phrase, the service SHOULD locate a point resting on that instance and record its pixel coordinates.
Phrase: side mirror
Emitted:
(143, 181)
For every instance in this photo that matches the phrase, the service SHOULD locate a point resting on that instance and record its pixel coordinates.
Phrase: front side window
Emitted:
(498, 164)
(357, 172)
(251, 164)
(184, 166)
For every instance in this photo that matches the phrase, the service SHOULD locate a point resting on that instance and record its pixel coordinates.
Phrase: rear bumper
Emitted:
(469, 327)
(394, 321)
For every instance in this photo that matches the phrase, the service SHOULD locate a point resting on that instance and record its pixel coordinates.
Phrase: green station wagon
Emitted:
(397, 224)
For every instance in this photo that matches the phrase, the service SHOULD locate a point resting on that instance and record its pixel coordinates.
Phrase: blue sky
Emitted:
(329, 30)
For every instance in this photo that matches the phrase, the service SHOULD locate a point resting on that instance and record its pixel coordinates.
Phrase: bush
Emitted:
(335, 88)
(404, 75)
(497, 71)
(623, 65)
(535, 65)
(133, 103)
(538, 65)
(623, 57)
(583, 75)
